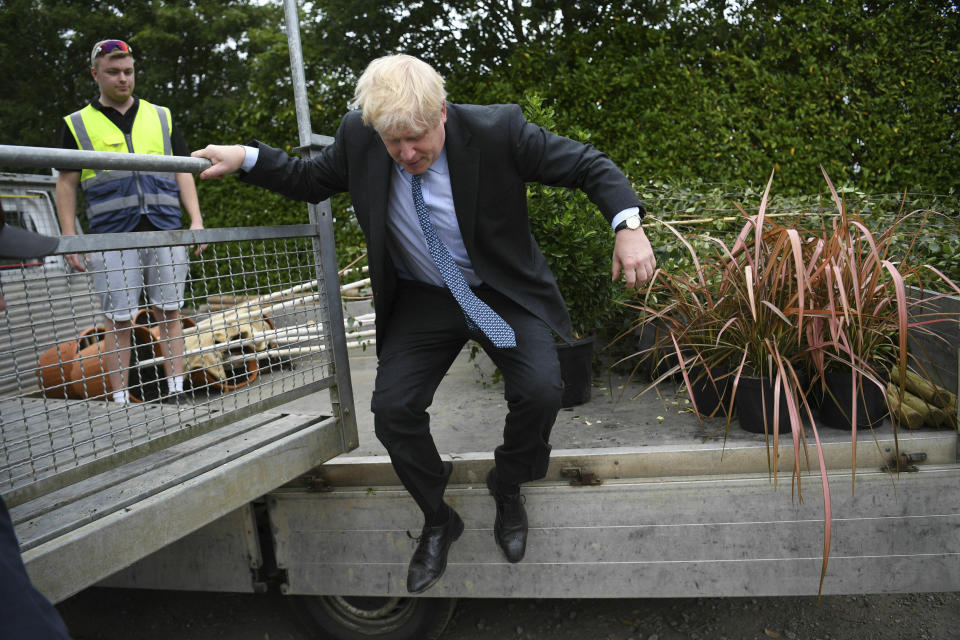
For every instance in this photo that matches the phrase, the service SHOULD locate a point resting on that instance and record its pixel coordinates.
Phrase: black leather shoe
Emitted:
(510, 527)
(430, 559)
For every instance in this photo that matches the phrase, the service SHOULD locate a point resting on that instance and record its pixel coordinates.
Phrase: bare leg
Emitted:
(171, 343)
(116, 354)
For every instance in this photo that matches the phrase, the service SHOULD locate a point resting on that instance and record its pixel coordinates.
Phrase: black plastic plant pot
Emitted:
(656, 349)
(576, 369)
(711, 395)
(836, 409)
(755, 401)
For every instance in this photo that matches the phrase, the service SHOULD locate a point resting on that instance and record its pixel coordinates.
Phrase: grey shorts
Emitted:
(120, 276)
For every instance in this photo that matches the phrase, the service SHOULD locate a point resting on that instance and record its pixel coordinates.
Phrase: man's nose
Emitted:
(407, 152)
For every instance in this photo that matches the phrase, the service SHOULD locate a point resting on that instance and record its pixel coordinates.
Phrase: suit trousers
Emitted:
(425, 332)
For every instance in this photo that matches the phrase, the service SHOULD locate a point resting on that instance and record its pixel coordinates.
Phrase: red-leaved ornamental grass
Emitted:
(787, 304)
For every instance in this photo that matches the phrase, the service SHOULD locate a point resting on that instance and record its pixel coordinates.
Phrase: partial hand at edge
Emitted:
(75, 260)
(225, 158)
(200, 247)
(633, 256)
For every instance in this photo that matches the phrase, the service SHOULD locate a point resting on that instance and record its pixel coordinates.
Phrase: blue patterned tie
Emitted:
(478, 314)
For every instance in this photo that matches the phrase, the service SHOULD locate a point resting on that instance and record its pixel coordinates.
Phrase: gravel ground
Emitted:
(122, 614)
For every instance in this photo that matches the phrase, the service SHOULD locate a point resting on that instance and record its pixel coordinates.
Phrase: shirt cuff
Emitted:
(250, 159)
(623, 215)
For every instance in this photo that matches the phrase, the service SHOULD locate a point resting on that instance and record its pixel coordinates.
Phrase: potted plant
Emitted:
(782, 301)
(745, 309)
(864, 312)
(736, 321)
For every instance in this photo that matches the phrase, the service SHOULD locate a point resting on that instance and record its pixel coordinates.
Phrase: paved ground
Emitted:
(471, 397)
(118, 614)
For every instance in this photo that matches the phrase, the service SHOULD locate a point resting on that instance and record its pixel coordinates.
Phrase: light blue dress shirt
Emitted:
(412, 256)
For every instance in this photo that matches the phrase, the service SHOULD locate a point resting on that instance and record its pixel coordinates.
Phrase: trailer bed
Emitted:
(641, 500)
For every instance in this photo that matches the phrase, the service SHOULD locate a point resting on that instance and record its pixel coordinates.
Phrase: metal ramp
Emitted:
(93, 485)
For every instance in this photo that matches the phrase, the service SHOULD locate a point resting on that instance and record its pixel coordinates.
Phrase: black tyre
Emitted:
(362, 618)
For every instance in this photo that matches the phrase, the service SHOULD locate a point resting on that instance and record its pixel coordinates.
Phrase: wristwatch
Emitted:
(632, 222)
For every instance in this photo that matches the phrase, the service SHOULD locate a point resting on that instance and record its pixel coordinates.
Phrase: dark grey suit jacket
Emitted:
(492, 152)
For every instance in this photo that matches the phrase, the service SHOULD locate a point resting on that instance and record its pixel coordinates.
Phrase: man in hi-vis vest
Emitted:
(120, 201)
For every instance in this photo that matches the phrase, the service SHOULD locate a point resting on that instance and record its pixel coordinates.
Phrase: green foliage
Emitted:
(230, 203)
(671, 91)
(675, 92)
(872, 94)
(191, 56)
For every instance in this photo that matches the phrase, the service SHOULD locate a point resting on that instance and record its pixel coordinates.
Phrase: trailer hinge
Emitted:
(580, 477)
(315, 483)
(905, 462)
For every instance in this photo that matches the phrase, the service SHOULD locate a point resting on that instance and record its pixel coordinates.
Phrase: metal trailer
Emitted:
(676, 515)
(224, 492)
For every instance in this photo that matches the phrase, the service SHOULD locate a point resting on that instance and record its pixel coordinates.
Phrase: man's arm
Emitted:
(67, 184)
(188, 196)
(561, 161)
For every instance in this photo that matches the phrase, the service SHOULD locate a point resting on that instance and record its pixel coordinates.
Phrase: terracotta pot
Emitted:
(92, 381)
(203, 378)
(74, 368)
(149, 318)
(58, 365)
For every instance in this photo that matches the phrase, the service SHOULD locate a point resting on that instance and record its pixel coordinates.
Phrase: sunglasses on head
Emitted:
(109, 46)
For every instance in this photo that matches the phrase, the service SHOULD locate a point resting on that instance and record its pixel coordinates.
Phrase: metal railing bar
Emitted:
(46, 157)
(147, 239)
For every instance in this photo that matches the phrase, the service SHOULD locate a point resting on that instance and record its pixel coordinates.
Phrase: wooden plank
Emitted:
(82, 556)
(676, 537)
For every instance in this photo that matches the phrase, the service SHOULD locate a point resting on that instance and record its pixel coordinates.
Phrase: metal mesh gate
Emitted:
(255, 333)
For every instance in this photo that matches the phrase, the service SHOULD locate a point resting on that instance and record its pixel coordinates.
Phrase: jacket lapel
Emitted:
(464, 164)
(379, 172)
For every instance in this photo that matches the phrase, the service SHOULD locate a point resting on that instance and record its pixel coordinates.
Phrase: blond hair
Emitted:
(400, 93)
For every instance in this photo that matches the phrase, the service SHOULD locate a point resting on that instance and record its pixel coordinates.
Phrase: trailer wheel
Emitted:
(361, 618)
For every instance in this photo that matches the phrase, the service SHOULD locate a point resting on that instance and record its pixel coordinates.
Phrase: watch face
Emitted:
(633, 222)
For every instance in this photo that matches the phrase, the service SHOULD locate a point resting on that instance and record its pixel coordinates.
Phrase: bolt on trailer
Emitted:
(225, 491)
